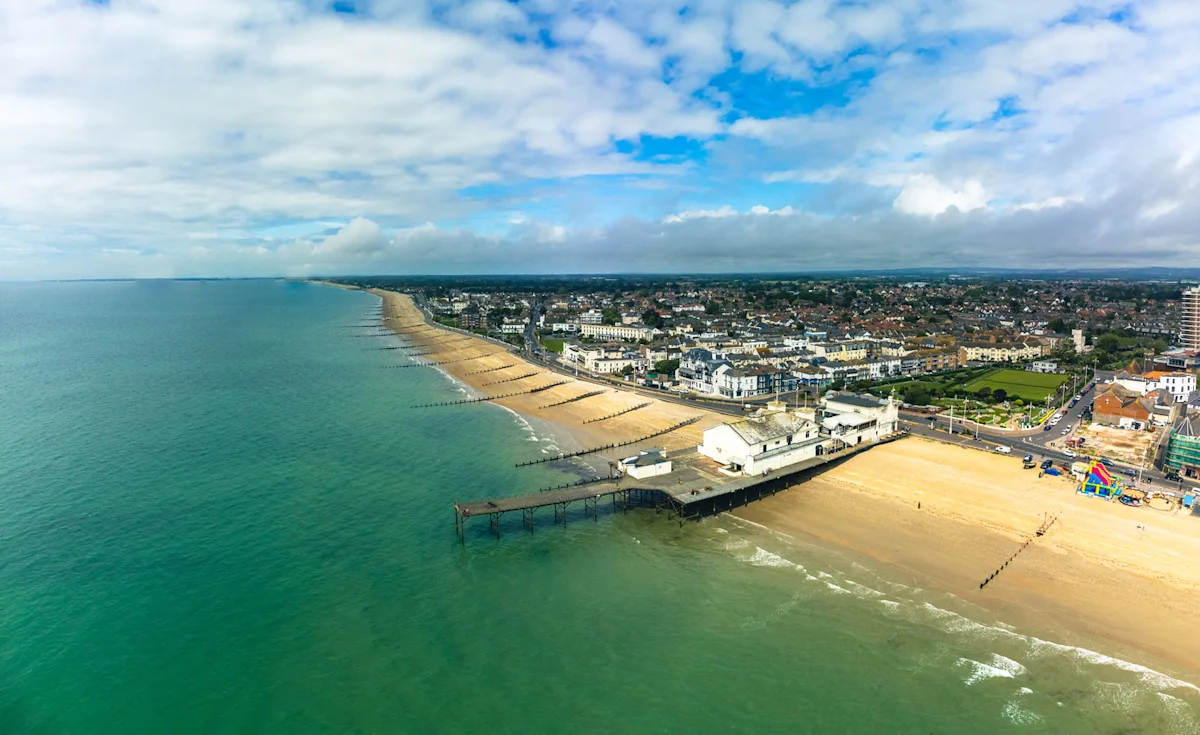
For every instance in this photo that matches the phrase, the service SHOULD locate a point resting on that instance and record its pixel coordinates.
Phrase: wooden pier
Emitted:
(690, 492)
(622, 499)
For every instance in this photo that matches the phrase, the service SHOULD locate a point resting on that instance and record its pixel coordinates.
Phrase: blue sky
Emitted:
(230, 137)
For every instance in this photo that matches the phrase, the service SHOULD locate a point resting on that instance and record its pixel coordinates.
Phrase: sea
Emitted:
(220, 512)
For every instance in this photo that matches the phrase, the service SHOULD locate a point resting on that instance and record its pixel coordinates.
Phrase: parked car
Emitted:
(1047, 427)
(1106, 462)
(1003, 449)
(1066, 431)
(1129, 471)
(1047, 464)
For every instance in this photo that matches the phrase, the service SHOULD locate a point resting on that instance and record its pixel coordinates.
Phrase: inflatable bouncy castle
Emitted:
(1099, 481)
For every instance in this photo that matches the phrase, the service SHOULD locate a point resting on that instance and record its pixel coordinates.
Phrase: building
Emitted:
(649, 463)
(1183, 447)
(1080, 341)
(1179, 359)
(883, 415)
(591, 316)
(1043, 366)
(697, 370)
(472, 319)
(778, 438)
(1119, 406)
(759, 444)
(606, 360)
(513, 326)
(1189, 320)
(626, 332)
(1179, 385)
(999, 351)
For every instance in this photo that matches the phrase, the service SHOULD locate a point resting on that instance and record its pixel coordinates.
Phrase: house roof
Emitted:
(863, 401)
(645, 459)
(757, 430)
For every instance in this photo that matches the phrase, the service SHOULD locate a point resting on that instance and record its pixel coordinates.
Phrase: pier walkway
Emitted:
(694, 489)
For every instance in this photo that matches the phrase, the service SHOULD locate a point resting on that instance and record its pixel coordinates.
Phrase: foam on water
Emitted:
(1018, 715)
(979, 671)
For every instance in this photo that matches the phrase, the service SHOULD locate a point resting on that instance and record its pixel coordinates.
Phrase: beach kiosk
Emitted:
(1100, 482)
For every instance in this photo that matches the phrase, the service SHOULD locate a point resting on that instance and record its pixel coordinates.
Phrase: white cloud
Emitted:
(924, 194)
(724, 211)
(359, 237)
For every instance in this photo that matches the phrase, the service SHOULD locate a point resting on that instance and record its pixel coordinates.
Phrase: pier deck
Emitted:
(694, 488)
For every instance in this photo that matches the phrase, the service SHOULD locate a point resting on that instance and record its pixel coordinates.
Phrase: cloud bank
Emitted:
(230, 137)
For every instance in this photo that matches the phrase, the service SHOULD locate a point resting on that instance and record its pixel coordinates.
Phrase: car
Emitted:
(1129, 471)
(1047, 427)
(1003, 449)
(1065, 431)
(1069, 453)
(1047, 464)
(1106, 462)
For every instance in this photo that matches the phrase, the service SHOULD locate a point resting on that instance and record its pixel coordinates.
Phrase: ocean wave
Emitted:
(764, 558)
(979, 671)
(1018, 715)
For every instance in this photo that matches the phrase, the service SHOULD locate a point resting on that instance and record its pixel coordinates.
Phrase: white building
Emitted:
(882, 416)
(627, 332)
(603, 360)
(1043, 366)
(1179, 385)
(591, 316)
(760, 444)
(650, 463)
(513, 327)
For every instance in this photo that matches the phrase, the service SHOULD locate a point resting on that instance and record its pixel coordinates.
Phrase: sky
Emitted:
(191, 138)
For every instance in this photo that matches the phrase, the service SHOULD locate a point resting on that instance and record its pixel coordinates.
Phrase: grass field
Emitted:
(1020, 383)
(554, 345)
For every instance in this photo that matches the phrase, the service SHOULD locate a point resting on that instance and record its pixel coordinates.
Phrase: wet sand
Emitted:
(1094, 579)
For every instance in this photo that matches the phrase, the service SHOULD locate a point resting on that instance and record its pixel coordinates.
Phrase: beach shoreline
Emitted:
(486, 368)
(1094, 580)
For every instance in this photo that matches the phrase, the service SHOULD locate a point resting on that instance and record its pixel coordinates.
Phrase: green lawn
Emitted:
(554, 345)
(1020, 383)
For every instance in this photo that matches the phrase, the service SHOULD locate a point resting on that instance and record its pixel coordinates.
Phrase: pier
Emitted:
(589, 494)
(691, 491)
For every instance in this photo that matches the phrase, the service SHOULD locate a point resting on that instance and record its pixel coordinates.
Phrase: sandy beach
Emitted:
(490, 369)
(1120, 580)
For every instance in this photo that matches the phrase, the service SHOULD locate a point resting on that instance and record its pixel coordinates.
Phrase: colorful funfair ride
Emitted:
(1100, 482)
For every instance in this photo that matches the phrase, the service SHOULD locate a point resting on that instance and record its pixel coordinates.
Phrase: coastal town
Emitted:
(1103, 369)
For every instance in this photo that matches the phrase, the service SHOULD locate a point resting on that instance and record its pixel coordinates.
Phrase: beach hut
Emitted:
(1100, 482)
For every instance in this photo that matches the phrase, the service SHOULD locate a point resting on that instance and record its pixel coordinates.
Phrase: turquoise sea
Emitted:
(218, 514)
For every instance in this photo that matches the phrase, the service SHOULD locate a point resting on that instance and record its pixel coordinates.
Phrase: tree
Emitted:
(666, 366)
(712, 308)
(917, 395)
(1109, 343)
(984, 393)
(610, 316)
(652, 318)
(999, 395)
(1058, 326)
(627, 370)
